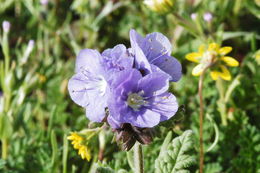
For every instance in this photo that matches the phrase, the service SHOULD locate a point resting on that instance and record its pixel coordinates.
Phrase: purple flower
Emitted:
(207, 17)
(140, 101)
(44, 2)
(117, 59)
(89, 86)
(6, 26)
(193, 16)
(154, 49)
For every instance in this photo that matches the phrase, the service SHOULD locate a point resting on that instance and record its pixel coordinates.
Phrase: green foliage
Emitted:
(104, 170)
(248, 157)
(36, 112)
(175, 154)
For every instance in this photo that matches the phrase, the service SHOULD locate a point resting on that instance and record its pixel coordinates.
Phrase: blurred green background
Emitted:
(37, 114)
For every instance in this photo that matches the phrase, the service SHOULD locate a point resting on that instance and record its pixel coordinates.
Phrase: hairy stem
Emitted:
(138, 158)
(201, 119)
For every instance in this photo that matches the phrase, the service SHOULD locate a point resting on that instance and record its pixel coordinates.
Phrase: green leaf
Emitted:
(175, 155)
(101, 169)
(2, 163)
(55, 151)
(6, 128)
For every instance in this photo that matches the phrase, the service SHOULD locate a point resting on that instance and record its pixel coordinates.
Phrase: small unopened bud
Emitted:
(30, 45)
(28, 51)
(207, 17)
(193, 16)
(6, 26)
(44, 2)
(159, 6)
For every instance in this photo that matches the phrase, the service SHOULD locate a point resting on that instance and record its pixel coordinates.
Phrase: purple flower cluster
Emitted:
(131, 83)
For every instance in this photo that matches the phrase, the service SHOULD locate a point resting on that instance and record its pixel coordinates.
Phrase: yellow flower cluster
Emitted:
(78, 143)
(215, 58)
(159, 6)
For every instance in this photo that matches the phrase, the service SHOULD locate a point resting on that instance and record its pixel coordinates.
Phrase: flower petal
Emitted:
(153, 45)
(171, 66)
(202, 48)
(225, 74)
(117, 59)
(194, 57)
(166, 105)
(224, 50)
(115, 52)
(88, 59)
(113, 123)
(150, 85)
(230, 61)
(95, 111)
(141, 61)
(145, 119)
(197, 70)
(126, 79)
(213, 47)
(77, 89)
(214, 75)
(156, 44)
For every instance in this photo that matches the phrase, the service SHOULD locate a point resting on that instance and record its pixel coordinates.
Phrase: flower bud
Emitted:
(207, 17)
(193, 16)
(44, 2)
(159, 6)
(30, 45)
(6, 26)
(28, 51)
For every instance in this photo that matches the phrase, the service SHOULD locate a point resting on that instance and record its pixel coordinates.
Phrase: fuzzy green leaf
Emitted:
(174, 156)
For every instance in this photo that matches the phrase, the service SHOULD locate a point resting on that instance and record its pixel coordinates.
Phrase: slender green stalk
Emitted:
(221, 102)
(138, 158)
(201, 118)
(65, 154)
(4, 148)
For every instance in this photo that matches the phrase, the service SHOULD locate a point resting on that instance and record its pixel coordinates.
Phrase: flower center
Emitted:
(208, 58)
(95, 82)
(135, 101)
(101, 85)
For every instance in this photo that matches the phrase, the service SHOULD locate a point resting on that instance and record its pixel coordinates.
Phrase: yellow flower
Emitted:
(41, 77)
(159, 6)
(215, 58)
(257, 57)
(79, 143)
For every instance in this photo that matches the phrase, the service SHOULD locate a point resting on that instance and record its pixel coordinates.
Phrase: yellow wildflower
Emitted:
(215, 58)
(257, 57)
(159, 6)
(41, 77)
(79, 143)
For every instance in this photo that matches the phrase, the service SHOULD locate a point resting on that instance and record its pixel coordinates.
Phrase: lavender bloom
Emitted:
(207, 17)
(140, 101)
(193, 16)
(154, 49)
(6, 26)
(117, 59)
(89, 86)
(44, 2)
